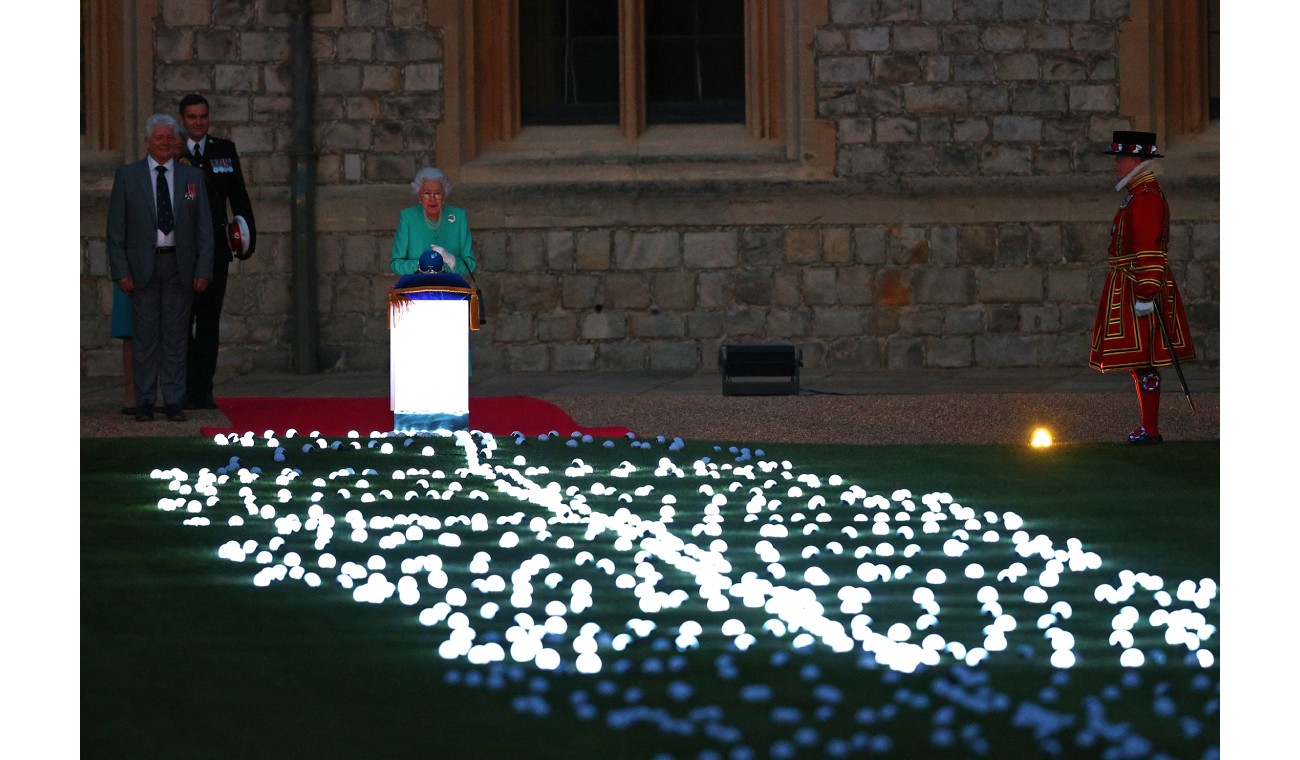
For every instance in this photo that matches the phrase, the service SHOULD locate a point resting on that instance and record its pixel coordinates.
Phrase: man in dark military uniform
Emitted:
(232, 238)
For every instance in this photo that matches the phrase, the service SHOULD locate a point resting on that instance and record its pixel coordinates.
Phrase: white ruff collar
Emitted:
(1122, 185)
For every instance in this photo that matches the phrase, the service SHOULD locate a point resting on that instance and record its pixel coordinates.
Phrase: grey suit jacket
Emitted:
(133, 223)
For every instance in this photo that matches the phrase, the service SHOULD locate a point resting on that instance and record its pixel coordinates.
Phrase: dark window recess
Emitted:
(695, 61)
(568, 62)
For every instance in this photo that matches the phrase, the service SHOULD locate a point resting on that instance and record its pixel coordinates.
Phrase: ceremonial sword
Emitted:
(1160, 318)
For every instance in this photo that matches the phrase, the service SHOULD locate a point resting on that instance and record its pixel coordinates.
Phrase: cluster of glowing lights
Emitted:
(882, 536)
(877, 575)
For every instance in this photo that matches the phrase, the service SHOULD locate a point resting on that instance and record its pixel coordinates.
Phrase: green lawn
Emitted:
(185, 655)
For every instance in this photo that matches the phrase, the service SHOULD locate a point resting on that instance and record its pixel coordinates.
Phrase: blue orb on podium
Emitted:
(430, 262)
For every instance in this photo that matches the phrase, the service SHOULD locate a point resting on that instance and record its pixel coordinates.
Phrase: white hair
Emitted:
(162, 118)
(431, 174)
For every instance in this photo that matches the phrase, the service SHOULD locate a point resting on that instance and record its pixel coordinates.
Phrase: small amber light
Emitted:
(1042, 438)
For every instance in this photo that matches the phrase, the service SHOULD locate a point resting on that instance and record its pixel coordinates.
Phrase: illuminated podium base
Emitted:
(429, 345)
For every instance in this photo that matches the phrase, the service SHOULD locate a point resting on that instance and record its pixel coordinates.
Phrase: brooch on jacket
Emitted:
(190, 192)
(222, 166)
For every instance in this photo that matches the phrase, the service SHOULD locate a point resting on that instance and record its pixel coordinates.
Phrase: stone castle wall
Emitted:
(971, 87)
(966, 226)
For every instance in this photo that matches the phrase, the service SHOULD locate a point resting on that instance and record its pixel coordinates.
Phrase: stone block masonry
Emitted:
(1007, 86)
(942, 291)
(946, 315)
(965, 224)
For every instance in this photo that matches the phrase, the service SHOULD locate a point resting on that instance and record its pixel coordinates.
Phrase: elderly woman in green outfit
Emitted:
(431, 224)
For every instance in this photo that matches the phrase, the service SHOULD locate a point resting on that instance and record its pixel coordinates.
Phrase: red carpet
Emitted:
(498, 415)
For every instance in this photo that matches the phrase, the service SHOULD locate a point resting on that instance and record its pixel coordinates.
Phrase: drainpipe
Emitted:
(302, 157)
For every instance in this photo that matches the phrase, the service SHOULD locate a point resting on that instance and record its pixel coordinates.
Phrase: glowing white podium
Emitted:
(429, 352)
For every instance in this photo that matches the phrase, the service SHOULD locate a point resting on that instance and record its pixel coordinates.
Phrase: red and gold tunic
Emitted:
(1139, 269)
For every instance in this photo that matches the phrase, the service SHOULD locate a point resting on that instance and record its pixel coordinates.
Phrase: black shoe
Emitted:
(204, 402)
(175, 414)
(144, 413)
(128, 411)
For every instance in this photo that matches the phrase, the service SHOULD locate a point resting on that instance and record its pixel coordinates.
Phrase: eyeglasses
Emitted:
(427, 195)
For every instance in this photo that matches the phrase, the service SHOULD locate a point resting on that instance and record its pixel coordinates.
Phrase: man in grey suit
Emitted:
(160, 254)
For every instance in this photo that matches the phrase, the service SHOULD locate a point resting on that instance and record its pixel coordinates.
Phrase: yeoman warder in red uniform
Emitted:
(1126, 334)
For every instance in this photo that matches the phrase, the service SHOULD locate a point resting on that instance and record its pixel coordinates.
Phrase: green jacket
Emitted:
(414, 237)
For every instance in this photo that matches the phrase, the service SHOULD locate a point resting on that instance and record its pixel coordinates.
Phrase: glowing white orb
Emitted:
(1004, 623)
(1060, 638)
(1035, 595)
(547, 659)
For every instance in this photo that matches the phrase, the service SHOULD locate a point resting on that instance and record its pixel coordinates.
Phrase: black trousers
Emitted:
(205, 333)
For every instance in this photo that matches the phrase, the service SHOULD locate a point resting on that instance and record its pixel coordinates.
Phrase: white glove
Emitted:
(448, 261)
(1144, 308)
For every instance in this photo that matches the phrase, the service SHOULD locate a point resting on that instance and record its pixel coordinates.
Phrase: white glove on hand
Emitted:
(448, 261)
(1144, 308)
